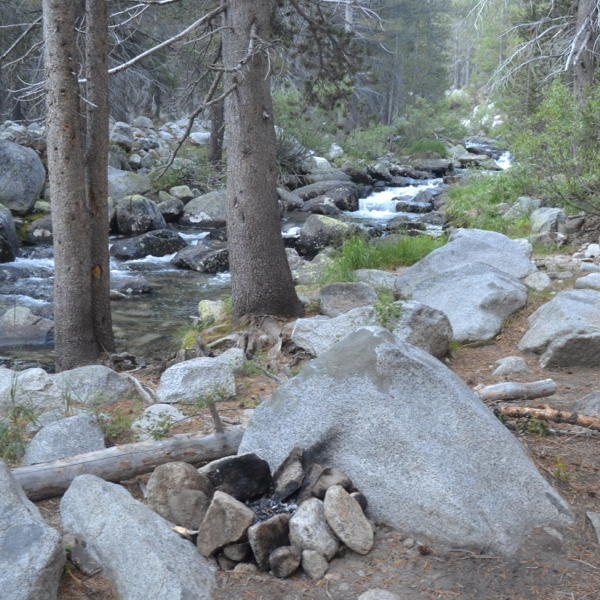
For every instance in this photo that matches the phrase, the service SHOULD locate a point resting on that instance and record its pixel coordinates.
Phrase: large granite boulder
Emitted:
(208, 210)
(476, 297)
(31, 552)
(155, 243)
(431, 458)
(137, 214)
(319, 232)
(20, 327)
(121, 134)
(65, 438)
(137, 548)
(126, 183)
(202, 258)
(338, 298)
(22, 177)
(566, 330)
(9, 244)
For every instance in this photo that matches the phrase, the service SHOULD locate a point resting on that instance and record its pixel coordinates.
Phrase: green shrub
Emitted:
(427, 149)
(369, 143)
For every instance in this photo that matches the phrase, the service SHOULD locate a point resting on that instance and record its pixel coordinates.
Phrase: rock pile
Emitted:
(247, 518)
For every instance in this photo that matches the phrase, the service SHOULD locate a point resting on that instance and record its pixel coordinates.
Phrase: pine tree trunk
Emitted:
(585, 65)
(261, 280)
(96, 155)
(75, 344)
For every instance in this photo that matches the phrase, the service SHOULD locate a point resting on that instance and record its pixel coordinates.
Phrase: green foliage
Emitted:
(116, 424)
(561, 470)
(559, 149)
(535, 426)
(191, 167)
(387, 310)
(427, 149)
(369, 143)
(358, 253)
(475, 203)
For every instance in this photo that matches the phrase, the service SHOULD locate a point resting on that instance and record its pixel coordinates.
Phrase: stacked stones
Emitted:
(304, 522)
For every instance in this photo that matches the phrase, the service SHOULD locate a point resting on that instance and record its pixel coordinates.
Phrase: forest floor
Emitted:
(550, 564)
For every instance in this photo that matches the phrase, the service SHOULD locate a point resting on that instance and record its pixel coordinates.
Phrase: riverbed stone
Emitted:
(31, 552)
(154, 243)
(320, 231)
(194, 379)
(476, 297)
(538, 281)
(227, 521)
(423, 489)
(144, 559)
(309, 529)
(339, 298)
(172, 477)
(208, 210)
(20, 327)
(318, 334)
(121, 134)
(266, 536)
(566, 330)
(9, 244)
(311, 272)
(22, 177)
(244, 477)
(285, 561)
(133, 286)
(423, 326)
(65, 438)
(40, 231)
(138, 214)
(170, 208)
(126, 183)
(347, 520)
(546, 220)
(181, 192)
(202, 258)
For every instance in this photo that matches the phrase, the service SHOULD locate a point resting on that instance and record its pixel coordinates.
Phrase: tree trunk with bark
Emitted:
(75, 344)
(77, 166)
(261, 279)
(585, 59)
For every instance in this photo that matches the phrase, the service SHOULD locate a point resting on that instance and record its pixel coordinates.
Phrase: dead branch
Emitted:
(46, 480)
(512, 390)
(547, 413)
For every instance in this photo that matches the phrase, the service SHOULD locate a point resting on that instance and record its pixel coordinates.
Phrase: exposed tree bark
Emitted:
(75, 344)
(261, 279)
(119, 463)
(512, 390)
(584, 47)
(546, 413)
(215, 150)
(96, 167)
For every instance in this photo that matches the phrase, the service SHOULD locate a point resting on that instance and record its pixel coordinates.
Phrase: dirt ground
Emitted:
(550, 565)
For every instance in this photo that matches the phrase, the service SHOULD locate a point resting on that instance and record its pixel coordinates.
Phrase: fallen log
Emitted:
(547, 413)
(512, 390)
(119, 463)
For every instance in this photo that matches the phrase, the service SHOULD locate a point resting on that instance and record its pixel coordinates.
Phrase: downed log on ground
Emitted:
(547, 413)
(49, 479)
(512, 390)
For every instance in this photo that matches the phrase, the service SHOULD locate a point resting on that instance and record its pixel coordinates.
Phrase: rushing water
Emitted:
(147, 325)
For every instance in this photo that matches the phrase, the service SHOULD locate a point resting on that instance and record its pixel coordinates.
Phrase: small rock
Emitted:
(188, 508)
(267, 536)
(328, 478)
(314, 564)
(155, 421)
(593, 251)
(361, 499)
(309, 529)
(408, 543)
(237, 552)
(594, 519)
(378, 594)
(134, 286)
(589, 405)
(346, 518)
(245, 568)
(80, 556)
(511, 365)
(225, 563)
(226, 521)
(339, 298)
(289, 476)
(537, 281)
(284, 561)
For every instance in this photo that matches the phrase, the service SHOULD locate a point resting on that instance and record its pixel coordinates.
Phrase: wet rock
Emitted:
(266, 536)
(339, 298)
(289, 476)
(169, 478)
(328, 478)
(244, 477)
(154, 243)
(40, 231)
(20, 327)
(137, 214)
(285, 561)
(346, 518)
(226, 521)
(309, 529)
(144, 559)
(9, 244)
(134, 286)
(314, 564)
(65, 438)
(170, 208)
(203, 259)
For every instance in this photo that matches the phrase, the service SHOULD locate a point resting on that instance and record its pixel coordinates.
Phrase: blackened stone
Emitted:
(156, 243)
(361, 499)
(289, 476)
(218, 234)
(328, 478)
(312, 475)
(244, 477)
(267, 536)
(202, 259)
(285, 561)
